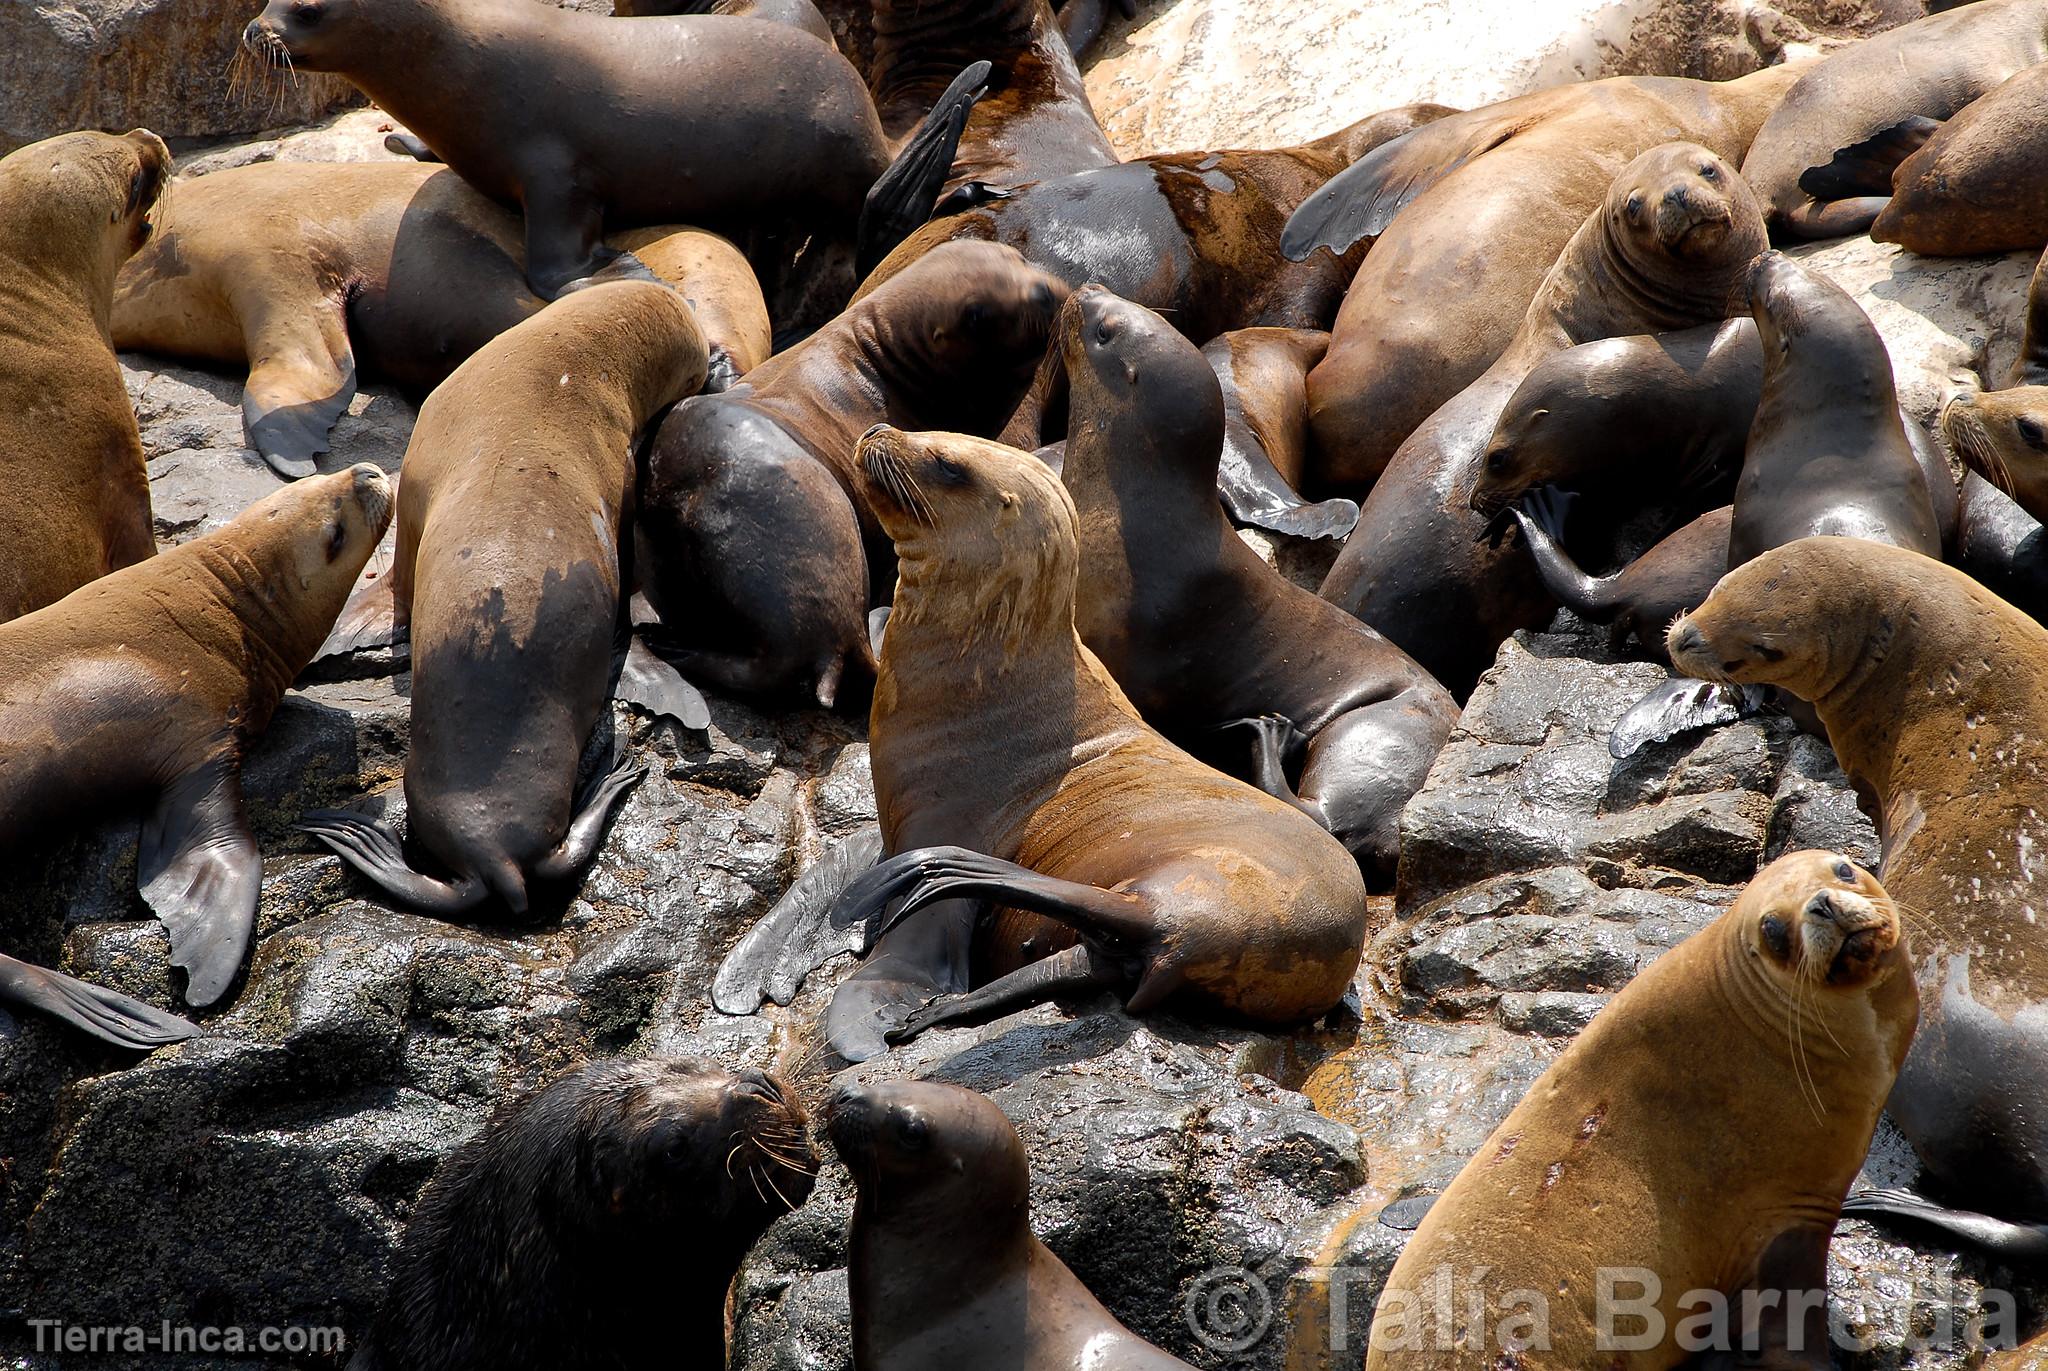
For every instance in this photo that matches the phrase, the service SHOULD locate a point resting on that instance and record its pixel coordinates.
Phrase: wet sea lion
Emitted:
(1791, 1013)
(149, 684)
(1011, 773)
(1200, 633)
(507, 570)
(943, 1267)
(1643, 597)
(2001, 546)
(1976, 185)
(594, 1223)
(1488, 199)
(1668, 249)
(1934, 693)
(303, 270)
(1264, 376)
(1822, 163)
(72, 209)
(759, 550)
(1081, 21)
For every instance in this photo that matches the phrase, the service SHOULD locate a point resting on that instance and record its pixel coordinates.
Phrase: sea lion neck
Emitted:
(430, 42)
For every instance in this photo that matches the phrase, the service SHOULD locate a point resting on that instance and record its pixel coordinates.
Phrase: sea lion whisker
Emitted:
(1802, 1070)
(767, 1177)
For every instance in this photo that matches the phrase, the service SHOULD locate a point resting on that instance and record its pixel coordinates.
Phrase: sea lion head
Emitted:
(1133, 376)
(1558, 423)
(967, 305)
(924, 1154)
(89, 200)
(1819, 917)
(294, 555)
(1680, 201)
(1791, 618)
(2003, 436)
(318, 35)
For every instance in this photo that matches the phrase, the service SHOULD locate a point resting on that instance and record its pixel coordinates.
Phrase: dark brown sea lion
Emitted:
(943, 1267)
(149, 684)
(753, 517)
(1013, 776)
(595, 1223)
(1200, 633)
(1487, 199)
(1977, 185)
(517, 480)
(1081, 21)
(1791, 1013)
(303, 270)
(1669, 249)
(1643, 597)
(76, 507)
(1866, 105)
(799, 14)
(1934, 693)
(1264, 376)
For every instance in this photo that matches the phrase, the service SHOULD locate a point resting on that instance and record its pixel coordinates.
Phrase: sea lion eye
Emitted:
(1634, 207)
(950, 471)
(2032, 431)
(1707, 171)
(1845, 872)
(1497, 460)
(337, 539)
(1768, 654)
(306, 11)
(913, 1132)
(1777, 937)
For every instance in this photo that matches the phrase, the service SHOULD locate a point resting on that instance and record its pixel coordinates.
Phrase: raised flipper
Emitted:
(1865, 168)
(409, 145)
(593, 811)
(1679, 706)
(1360, 201)
(201, 873)
(2021, 1242)
(370, 848)
(878, 619)
(1255, 493)
(1274, 739)
(969, 195)
(902, 199)
(108, 1015)
(1541, 515)
(647, 680)
(1070, 973)
(796, 937)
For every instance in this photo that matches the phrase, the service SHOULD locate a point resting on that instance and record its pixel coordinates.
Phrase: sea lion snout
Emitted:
(1692, 218)
(1685, 643)
(373, 495)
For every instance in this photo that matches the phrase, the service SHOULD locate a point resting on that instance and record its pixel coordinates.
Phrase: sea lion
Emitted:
(1487, 199)
(1200, 633)
(1081, 21)
(1676, 573)
(943, 1268)
(759, 550)
(1934, 693)
(1867, 105)
(594, 1223)
(2003, 436)
(507, 569)
(1790, 1014)
(1975, 185)
(2001, 546)
(149, 684)
(1012, 773)
(1668, 249)
(72, 209)
(1264, 376)
(799, 14)
(573, 117)
(302, 270)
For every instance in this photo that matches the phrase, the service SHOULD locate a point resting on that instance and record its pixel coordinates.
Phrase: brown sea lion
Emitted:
(799, 14)
(1977, 183)
(1264, 376)
(1012, 774)
(517, 480)
(1642, 598)
(943, 1267)
(1669, 249)
(1200, 633)
(1934, 693)
(149, 684)
(2003, 434)
(72, 209)
(759, 550)
(1487, 199)
(1082, 21)
(594, 1223)
(1822, 163)
(1790, 1014)
(302, 270)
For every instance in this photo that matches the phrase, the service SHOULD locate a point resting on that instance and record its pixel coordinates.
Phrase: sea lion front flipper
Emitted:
(1866, 168)
(1541, 516)
(1070, 973)
(903, 198)
(2021, 1242)
(564, 228)
(370, 849)
(1786, 1298)
(878, 620)
(302, 373)
(1835, 218)
(1361, 200)
(593, 811)
(201, 872)
(1254, 493)
(1679, 706)
(796, 937)
(646, 679)
(106, 1014)
(369, 617)
(409, 145)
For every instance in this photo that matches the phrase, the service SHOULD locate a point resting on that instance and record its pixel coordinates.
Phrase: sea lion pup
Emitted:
(149, 684)
(944, 1269)
(1488, 199)
(1669, 249)
(758, 548)
(573, 117)
(1264, 376)
(301, 270)
(1709, 1120)
(595, 1223)
(1934, 693)
(72, 209)
(1200, 633)
(1822, 163)
(507, 570)
(1975, 185)
(1011, 773)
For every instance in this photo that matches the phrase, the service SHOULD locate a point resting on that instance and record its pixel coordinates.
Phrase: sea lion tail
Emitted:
(903, 198)
(796, 937)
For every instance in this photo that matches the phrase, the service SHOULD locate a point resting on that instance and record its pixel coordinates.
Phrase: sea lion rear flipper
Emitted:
(1110, 918)
(593, 811)
(1679, 706)
(369, 848)
(1070, 973)
(1274, 738)
(2021, 1242)
(106, 1014)
(1834, 218)
(1866, 168)
(1361, 200)
(796, 937)
(302, 371)
(409, 145)
(903, 199)
(201, 873)
(648, 680)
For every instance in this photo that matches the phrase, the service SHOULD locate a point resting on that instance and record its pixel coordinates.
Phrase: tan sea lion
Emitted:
(1976, 185)
(1011, 773)
(517, 482)
(72, 209)
(301, 270)
(943, 1267)
(2003, 434)
(1934, 693)
(149, 684)
(1699, 1134)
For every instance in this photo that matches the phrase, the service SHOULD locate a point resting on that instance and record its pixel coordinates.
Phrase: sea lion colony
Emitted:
(894, 392)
